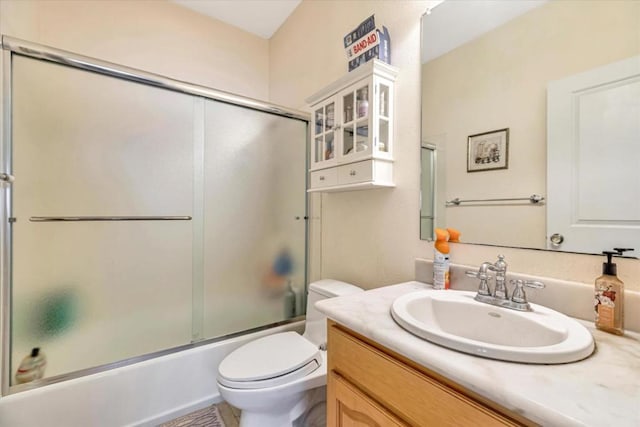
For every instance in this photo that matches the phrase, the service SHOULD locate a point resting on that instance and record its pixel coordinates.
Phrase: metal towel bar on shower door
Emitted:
(533, 199)
(108, 218)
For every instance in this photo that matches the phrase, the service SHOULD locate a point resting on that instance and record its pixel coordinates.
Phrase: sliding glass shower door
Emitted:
(144, 219)
(85, 145)
(254, 227)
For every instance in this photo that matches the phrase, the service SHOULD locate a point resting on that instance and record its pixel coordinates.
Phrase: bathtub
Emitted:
(141, 394)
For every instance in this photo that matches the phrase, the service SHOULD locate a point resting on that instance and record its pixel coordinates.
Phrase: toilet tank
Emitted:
(316, 323)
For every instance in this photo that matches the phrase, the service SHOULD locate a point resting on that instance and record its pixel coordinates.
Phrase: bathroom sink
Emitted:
(455, 320)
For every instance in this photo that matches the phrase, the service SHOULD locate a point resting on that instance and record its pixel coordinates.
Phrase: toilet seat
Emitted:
(269, 361)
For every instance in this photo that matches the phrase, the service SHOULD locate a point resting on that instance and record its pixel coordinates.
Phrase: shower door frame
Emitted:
(12, 46)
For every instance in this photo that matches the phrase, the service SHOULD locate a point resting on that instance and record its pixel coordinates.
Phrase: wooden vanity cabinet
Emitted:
(369, 385)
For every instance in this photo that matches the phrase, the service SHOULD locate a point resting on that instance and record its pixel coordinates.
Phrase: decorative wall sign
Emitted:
(366, 42)
(488, 151)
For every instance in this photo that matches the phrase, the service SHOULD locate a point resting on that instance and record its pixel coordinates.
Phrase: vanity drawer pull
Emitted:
(352, 173)
(321, 178)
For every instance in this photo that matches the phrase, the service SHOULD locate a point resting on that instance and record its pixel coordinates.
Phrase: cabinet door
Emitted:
(356, 137)
(420, 399)
(347, 406)
(381, 116)
(324, 141)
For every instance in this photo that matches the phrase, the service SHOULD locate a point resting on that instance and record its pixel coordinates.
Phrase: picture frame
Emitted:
(488, 151)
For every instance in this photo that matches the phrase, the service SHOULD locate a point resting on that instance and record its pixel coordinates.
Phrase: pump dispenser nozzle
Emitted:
(621, 251)
(609, 267)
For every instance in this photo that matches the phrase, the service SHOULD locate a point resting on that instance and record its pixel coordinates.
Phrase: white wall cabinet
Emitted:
(352, 131)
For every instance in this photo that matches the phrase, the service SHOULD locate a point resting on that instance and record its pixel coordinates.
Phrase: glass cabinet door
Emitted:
(383, 107)
(356, 136)
(324, 134)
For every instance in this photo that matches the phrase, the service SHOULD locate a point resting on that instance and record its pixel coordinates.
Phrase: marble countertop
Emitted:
(603, 390)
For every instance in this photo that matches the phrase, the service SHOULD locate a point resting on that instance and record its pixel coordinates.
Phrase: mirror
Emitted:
(531, 123)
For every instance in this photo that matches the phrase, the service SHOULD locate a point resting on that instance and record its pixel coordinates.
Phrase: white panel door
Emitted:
(593, 151)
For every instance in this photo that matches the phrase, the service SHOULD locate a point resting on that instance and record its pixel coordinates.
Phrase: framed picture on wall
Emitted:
(488, 151)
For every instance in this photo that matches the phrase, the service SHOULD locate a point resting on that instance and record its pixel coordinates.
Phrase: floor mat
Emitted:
(207, 417)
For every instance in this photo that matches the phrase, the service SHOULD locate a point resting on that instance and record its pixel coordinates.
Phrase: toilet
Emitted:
(279, 380)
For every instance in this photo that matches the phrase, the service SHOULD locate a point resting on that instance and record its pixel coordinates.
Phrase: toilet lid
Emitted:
(278, 358)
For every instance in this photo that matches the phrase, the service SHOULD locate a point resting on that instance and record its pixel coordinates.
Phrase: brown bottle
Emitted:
(609, 297)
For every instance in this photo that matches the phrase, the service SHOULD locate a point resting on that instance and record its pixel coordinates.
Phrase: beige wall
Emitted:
(500, 80)
(370, 237)
(156, 36)
(367, 237)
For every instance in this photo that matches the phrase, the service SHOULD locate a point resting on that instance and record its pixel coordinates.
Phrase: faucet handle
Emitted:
(483, 288)
(519, 296)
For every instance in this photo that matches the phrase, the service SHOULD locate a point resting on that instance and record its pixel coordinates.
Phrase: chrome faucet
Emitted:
(500, 295)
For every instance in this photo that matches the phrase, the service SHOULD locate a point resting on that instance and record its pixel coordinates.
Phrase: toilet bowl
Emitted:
(276, 380)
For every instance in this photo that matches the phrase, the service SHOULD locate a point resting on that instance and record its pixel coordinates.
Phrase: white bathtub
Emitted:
(143, 394)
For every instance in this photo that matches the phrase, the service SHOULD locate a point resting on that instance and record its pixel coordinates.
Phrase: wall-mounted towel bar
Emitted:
(5, 177)
(533, 199)
(108, 218)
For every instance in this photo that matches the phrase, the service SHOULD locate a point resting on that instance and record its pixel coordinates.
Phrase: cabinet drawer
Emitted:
(324, 178)
(355, 172)
(412, 395)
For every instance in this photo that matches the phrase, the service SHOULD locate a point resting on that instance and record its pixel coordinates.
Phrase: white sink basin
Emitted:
(455, 320)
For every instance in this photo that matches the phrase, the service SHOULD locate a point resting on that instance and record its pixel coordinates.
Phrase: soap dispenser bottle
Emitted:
(609, 296)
